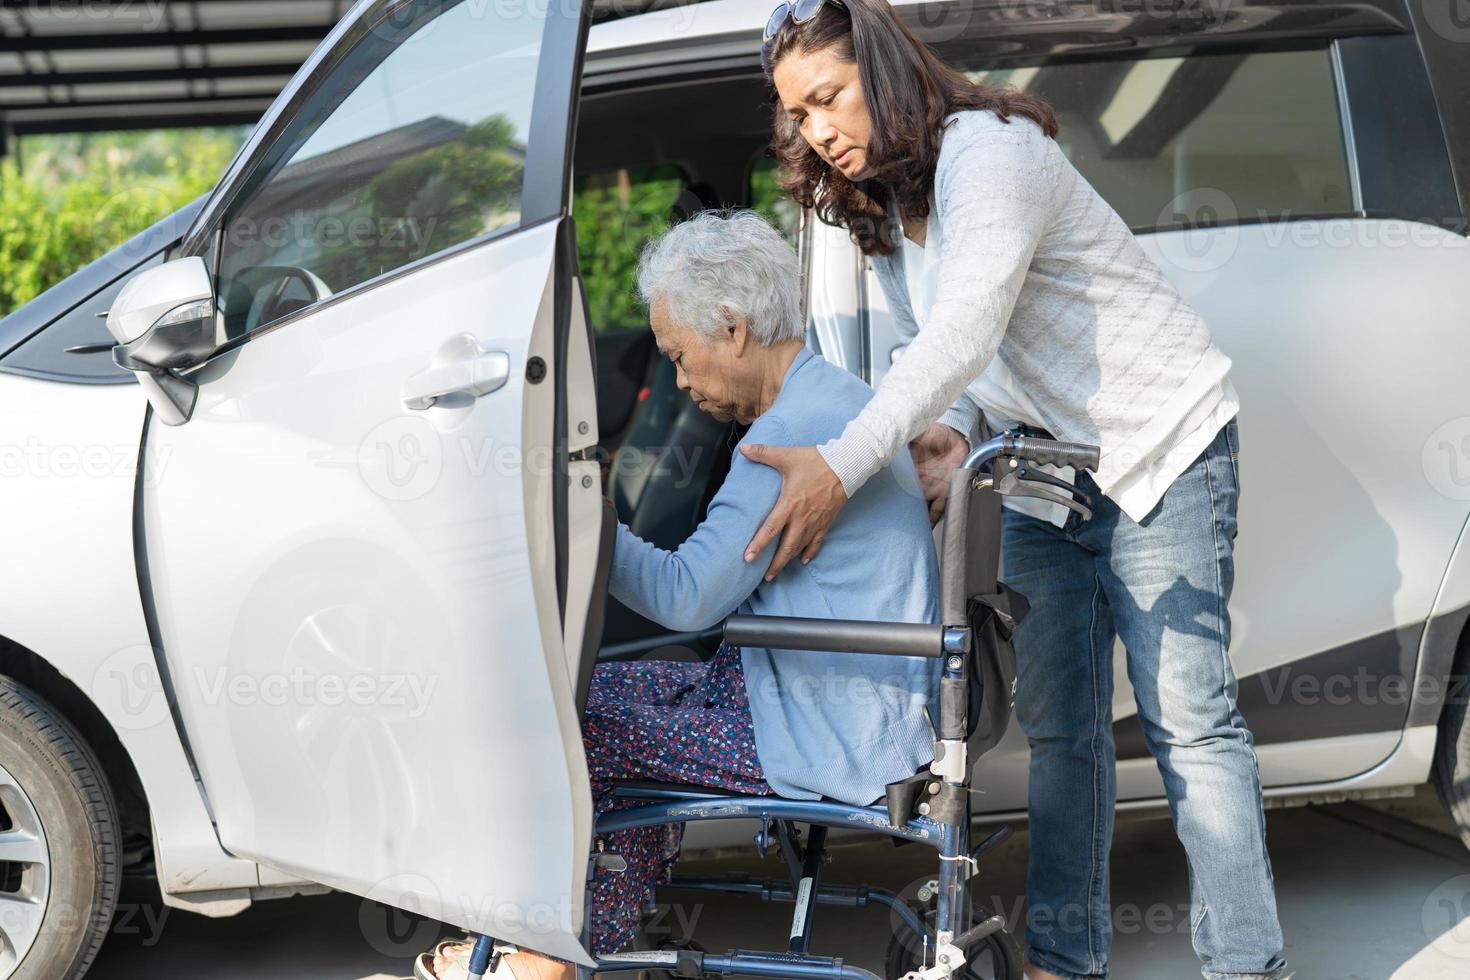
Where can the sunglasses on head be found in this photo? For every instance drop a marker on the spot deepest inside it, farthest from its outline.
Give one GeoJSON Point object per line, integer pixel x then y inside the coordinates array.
{"type": "Point", "coordinates": [800, 12]}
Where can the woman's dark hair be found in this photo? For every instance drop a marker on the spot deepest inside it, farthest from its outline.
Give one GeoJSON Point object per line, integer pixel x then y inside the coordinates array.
{"type": "Point", "coordinates": [909, 90]}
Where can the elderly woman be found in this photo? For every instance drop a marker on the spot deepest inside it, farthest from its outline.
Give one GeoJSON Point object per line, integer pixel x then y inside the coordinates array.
{"type": "Point", "coordinates": [724, 301]}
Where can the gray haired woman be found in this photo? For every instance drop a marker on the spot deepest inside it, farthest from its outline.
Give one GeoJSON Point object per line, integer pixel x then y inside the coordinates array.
{"type": "Point", "coordinates": [724, 299]}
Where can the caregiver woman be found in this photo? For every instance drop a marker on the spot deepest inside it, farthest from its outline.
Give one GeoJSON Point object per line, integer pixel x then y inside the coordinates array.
{"type": "Point", "coordinates": [1025, 296]}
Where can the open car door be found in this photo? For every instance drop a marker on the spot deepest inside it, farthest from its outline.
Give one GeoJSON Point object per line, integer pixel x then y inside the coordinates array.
{"type": "Point", "coordinates": [354, 533]}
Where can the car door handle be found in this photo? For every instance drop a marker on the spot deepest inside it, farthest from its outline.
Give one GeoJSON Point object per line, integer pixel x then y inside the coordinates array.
{"type": "Point", "coordinates": [476, 375]}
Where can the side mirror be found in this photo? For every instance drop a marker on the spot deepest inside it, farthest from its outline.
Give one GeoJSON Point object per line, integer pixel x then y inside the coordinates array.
{"type": "Point", "coordinates": [165, 321]}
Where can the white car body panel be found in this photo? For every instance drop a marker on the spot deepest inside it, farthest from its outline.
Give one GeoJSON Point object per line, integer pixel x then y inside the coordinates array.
{"type": "Point", "coordinates": [381, 631]}
{"type": "Point", "coordinates": [657, 35]}
{"type": "Point", "coordinates": [70, 455]}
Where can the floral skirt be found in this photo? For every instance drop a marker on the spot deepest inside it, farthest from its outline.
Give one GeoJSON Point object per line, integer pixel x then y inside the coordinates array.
{"type": "Point", "coordinates": [669, 721]}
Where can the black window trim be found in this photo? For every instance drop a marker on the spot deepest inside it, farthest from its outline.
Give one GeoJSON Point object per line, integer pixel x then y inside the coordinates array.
{"type": "Point", "coordinates": [1397, 127]}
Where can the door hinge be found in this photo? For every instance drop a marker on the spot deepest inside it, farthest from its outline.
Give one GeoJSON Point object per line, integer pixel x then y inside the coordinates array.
{"type": "Point", "coordinates": [588, 455]}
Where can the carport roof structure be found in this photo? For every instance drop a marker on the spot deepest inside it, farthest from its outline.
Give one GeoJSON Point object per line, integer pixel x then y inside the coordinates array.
{"type": "Point", "coordinates": [88, 65]}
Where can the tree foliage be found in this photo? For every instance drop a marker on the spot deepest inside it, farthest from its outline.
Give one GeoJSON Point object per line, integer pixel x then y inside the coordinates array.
{"type": "Point", "coordinates": [78, 196]}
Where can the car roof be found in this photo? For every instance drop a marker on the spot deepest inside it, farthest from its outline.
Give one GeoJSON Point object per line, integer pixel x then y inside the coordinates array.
{"type": "Point", "coordinates": [689, 23]}
{"type": "Point", "coordinates": [715, 30]}
{"type": "Point", "coordinates": [726, 33]}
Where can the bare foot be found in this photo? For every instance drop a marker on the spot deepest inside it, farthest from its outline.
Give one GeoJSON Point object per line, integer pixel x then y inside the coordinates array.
{"type": "Point", "coordinates": [524, 965]}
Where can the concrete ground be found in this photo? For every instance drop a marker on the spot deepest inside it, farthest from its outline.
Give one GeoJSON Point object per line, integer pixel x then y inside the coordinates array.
{"type": "Point", "coordinates": [1375, 891]}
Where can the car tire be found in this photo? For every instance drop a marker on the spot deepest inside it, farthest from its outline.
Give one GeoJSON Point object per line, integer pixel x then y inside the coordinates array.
{"type": "Point", "coordinates": [1451, 775]}
{"type": "Point", "coordinates": [59, 888]}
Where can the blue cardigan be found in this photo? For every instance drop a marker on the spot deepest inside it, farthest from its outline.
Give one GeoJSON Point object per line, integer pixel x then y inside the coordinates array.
{"type": "Point", "coordinates": [839, 725]}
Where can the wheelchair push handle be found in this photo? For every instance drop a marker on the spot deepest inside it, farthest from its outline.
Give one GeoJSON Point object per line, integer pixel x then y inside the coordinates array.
{"type": "Point", "coordinates": [1075, 454]}
{"type": "Point", "coordinates": [1033, 450]}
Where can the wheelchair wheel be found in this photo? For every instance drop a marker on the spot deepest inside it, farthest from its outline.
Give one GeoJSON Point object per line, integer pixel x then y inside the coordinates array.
{"type": "Point", "coordinates": [998, 957]}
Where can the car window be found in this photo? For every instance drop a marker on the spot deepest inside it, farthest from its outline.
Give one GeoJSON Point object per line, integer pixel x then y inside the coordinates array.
{"type": "Point", "coordinates": [617, 213]}
{"type": "Point", "coordinates": [768, 197]}
{"type": "Point", "coordinates": [416, 142]}
{"type": "Point", "coordinates": [1170, 141]}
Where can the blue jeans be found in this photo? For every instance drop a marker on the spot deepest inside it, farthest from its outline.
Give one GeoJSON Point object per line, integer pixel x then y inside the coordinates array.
{"type": "Point", "coordinates": [1161, 585]}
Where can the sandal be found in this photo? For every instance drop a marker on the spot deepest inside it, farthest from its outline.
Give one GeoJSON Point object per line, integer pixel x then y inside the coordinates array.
{"type": "Point", "coordinates": [459, 965]}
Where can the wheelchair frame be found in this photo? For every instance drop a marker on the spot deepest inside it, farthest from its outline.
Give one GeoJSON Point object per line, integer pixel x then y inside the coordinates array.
{"type": "Point", "coordinates": [942, 820]}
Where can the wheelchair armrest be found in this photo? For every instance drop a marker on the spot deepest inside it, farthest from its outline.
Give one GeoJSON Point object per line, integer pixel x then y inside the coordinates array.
{"type": "Point", "coordinates": [836, 635]}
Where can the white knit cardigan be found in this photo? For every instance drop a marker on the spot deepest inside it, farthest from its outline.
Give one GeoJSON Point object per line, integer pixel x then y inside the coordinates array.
{"type": "Point", "coordinates": [1036, 268]}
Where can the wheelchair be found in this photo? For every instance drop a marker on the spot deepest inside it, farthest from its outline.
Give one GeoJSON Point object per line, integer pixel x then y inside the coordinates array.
{"type": "Point", "coordinates": [943, 932]}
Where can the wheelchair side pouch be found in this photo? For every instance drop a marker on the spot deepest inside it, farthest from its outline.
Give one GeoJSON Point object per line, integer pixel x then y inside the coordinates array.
{"type": "Point", "coordinates": [994, 619]}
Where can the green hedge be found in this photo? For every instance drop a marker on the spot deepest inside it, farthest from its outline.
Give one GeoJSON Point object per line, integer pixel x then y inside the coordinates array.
{"type": "Point", "coordinates": [617, 213]}
{"type": "Point", "coordinates": [79, 196]}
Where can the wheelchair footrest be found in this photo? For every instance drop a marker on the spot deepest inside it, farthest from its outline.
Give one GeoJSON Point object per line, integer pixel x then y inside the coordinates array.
{"type": "Point", "coordinates": [975, 933]}
{"type": "Point", "coordinates": [736, 962]}
{"type": "Point", "coordinates": [679, 962]}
